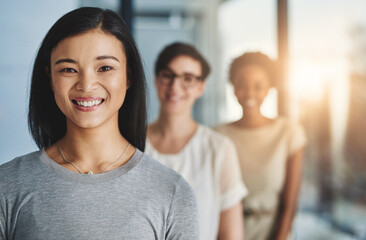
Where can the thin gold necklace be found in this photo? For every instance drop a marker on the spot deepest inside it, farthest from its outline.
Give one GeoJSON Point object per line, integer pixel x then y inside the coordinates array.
{"type": "Point", "coordinates": [90, 172]}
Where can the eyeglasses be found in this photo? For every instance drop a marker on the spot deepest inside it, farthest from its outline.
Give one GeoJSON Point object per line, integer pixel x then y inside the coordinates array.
{"type": "Point", "coordinates": [166, 77]}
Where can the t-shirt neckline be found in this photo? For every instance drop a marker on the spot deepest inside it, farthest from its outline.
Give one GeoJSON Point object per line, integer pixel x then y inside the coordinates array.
{"type": "Point", "coordinates": [86, 178]}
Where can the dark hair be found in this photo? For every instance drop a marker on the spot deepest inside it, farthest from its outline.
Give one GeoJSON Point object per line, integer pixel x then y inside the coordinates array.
{"type": "Point", "coordinates": [254, 58]}
{"type": "Point", "coordinates": [46, 122]}
{"type": "Point", "coordinates": [177, 49]}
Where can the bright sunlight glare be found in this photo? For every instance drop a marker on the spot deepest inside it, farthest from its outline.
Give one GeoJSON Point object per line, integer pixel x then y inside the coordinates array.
{"type": "Point", "coordinates": [307, 81]}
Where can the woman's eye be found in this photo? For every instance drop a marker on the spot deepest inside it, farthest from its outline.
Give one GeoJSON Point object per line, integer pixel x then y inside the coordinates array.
{"type": "Point", "coordinates": [68, 70]}
{"type": "Point", "coordinates": [167, 75]}
{"type": "Point", "coordinates": [188, 78]}
{"type": "Point", "coordinates": [105, 68]}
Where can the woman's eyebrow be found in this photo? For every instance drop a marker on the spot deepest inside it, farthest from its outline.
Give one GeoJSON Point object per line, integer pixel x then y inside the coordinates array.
{"type": "Point", "coordinates": [107, 57]}
{"type": "Point", "coordinates": [67, 60]}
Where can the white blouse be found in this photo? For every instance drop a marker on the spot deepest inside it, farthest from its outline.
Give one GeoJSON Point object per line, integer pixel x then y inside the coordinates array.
{"type": "Point", "coordinates": [209, 164]}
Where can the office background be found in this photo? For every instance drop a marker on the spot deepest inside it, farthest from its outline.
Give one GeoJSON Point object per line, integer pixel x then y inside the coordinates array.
{"type": "Point", "coordinates": [325, 88]}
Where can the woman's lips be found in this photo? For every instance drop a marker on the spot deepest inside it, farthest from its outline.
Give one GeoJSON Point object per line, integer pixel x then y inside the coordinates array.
{"type": "Point", "coordinates": [87, 104]}
{"type": "Point", "coordinates": [173, 98]}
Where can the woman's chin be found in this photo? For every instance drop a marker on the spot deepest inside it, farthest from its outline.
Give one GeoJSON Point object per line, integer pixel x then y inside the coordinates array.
{"type": "Point", "coordinates": [251, 109]}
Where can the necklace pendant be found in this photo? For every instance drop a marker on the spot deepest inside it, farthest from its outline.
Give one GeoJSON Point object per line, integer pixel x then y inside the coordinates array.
{"type": "Point", "coordinates": [90, 173]}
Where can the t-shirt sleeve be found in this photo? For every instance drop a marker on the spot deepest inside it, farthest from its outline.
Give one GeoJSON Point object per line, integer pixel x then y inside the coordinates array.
{"type": "Point", "coordinates": [297, 138]}
{"type": "Point", "coordinates": [182, 222]}
{"type": "Point", "coordinates": [232, 187]}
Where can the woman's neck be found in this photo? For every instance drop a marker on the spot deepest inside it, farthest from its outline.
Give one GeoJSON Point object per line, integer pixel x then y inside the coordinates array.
{"type": "Point", "coordinates": [252, 120]}
{"type": "Point", "coordinates": [170, 133]}
{"type": "Point", "coordinates": [92, 143]}
{"type": "Point", "coordinates": [174, 125]}
{"type": "Point", "coordinates": [90, 149]}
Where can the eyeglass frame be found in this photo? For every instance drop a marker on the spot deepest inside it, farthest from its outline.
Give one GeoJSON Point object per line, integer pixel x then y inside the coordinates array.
{"type": "Point", "coordinates": [180, 77]}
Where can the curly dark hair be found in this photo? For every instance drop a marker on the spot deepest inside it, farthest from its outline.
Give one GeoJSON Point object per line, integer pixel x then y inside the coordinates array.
{"type": "Point", "coordinates": [254, 58]}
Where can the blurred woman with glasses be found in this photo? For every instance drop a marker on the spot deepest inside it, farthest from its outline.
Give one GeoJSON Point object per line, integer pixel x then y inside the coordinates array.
{"type": "Point", "coordinates": [206, 159]}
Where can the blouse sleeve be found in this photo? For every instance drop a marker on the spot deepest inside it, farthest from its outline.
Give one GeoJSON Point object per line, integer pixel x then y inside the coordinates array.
{"type": "Point", "coordinates": [232, 187]}
{"type": "Point", "coordinates": [297, 138]}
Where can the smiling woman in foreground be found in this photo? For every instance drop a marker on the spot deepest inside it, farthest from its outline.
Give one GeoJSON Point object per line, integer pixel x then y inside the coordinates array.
{"type": "Point", "coordinates": [87, 114]}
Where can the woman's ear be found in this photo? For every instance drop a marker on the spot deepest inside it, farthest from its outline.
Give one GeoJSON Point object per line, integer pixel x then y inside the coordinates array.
{"type": "Point", "coordinates": [201, 88]}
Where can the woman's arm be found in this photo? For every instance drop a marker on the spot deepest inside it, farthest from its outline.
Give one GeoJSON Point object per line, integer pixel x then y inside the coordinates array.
{"type": "Point", "coordinates": [232, 223]}
{"type": "Point", "coordinates": [289, 195]}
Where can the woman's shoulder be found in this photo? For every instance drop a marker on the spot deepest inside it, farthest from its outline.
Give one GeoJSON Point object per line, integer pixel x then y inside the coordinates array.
{"type": "Point", "coordinates": [210, 133]}
{"type": "Point", "coordinates": [159, 173]}
{"type": "Point", "coordinates": [213, 136]}
{"type": "Point", "coordinates": [284, 121]}
{"type": "Point", "coordinates": [19, 163]}
{"type": "Point", "coordinates": [231, 131]}
{"type": "Point", "coordinates": [294, 132]}
{"type": "Point", "coordinates": [17, 170]}
{"type": "Point", "coordinates": [223, 128]}
{"type": "Point", "coordinates": [164, 181]}
{"type": "Point", "coordinates": [149, 163]}
{"type": "Point", "coordinates": [288, 125]}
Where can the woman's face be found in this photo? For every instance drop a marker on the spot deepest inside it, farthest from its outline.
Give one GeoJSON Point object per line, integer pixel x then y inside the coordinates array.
{"type": "Point", "coordinates": [178, 97]}
{"type": "Point", "coordinates": [88, 77]}
{"type": "Point", "coordinates": [251, 84]}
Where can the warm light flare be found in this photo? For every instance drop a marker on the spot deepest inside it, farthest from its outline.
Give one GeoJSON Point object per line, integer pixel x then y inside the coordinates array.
{"type": "Point", "coordinates": [307, 81]}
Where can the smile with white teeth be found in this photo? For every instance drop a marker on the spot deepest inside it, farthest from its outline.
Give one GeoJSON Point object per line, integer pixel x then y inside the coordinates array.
{"type": "Point", "coordinates": [88, 103]}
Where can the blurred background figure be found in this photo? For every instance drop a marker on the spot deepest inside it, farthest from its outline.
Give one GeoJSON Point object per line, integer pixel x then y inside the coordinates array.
{"type": "Point", "coordinates": [206, 159]}
{"type": "Point", "coordinates": [270, 151]}
{"type": "Point", "coordinates": [320, 50]}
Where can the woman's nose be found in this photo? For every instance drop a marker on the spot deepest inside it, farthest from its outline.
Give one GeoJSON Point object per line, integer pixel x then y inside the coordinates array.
{"type": "Point", "coordinates": [176, 82]}
{"type": "Point", "coordinates": [249, 92]}
{"type": "Point", "coordinates": [87, 82]}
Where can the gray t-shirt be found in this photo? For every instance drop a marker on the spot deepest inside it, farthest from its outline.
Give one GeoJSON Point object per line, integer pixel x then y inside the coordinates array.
{"type": "Point", "coordinates": [40, 199]}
